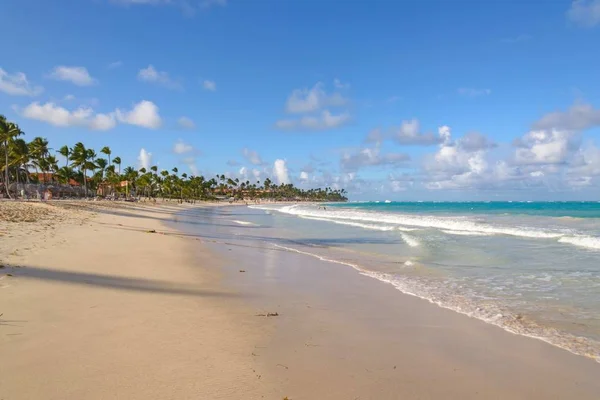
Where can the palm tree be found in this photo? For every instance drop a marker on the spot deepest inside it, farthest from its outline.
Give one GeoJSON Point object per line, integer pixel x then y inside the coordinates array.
{"type": "Point", "coordinates": [65, 174]}
{"type": "Point", "coordinates": [19, 153]}
{"type": "Point", "coordinates": [8, 131]}
{"type": "Point", "coordinates": [79, 159]}
{"type": "Point", "coordinates": [117, 160]}
{"type": "Point", "coordinates": [38, 149]}
{"type": "Point", "coordinates": [106, 150]}
{"type": "Point", "coordinates": [65, 151]}
{"type": "Point", "coordinates": [101, 163]}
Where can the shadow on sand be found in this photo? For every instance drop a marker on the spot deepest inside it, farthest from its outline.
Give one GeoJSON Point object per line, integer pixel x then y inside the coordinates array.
{"type": "Point", "coordinates": [117, 282]}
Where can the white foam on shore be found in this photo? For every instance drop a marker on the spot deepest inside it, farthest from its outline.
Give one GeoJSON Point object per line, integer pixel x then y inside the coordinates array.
{"type": "Point", "coordinates": [448, 225]}
{"type": "Point", "coordinates": [243, 222]}
{"type": "Point", "coordinates": [582, 241]}
{"type": "Point", "coordinates": [494, 316]}
{"type": "Point", "coordinates": [411, 241]}
{"type": "Point", "coordinates": [356, 224]}
{"type": "Point", "coordinates": [466, 233]}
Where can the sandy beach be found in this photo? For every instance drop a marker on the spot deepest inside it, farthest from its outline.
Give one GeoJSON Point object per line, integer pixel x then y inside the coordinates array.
{"type": "Point", "coordinates": [138, 301]}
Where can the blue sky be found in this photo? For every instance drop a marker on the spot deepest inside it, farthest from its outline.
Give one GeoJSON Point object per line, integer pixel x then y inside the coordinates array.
{"type": "Point", "coordinates": [409, 100]}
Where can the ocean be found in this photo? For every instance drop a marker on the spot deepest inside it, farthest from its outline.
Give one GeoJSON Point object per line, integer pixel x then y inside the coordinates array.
{"type": "Point", "coordinates": [531, 268]}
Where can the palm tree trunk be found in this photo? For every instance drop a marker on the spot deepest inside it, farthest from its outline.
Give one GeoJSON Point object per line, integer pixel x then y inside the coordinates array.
{"type": "Point", "coordinates": [6, 168]}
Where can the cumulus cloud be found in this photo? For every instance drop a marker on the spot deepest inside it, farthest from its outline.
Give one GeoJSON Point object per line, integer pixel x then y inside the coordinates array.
{"type": "Point", "coordinates": [77, 75]}
{"type": "Point", "coordinates": [473, 92]}
{"type": "Point", "coordinates": [552, 146]}
{"type": "Point", "coordinates": [475, 141]}
{"type": "Point", "coordinates": [180, 147]}
{"type": "Point", "coordinates": [457, 165]}
{"type": "Point", "coordinates": [58, 116]}
{"type": "Point", "coordinates": [252, 156]}
{"type": "Point", "coordinates": [162, 78]}
{"type": "Point", "coordinates": [585, 13]}
{"type": "Point", "coordinates": [325, 120]}
{"type": "Point", "coordinates": [303, 177]}
{"type": "Point", "coordinates": [209, 85]}
{"type": "Point", "coordinates": [577, 118]}
{"type": "Point", "coordinates": [144, 114]}
{"type": "Point", "coordinates": [144, 159]}
{"type": "Point", "coordinates": [314, 99]}
{"type": "Point", "coordinates": [186, 123]}
{"type": "Point", "coordinates": [280, 171]}
{"type": "Point", "coordinates": [409, 134]}
{"type": "Point", "coordinates": [400, 182]}
{"type": "Point", "coordinates": [17, 84]}
{"type": "Point", "coordinates": [371, 157]}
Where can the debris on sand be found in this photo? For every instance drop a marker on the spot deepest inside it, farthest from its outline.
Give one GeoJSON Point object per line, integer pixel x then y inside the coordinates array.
{"type": "Point", "coordinates": [151, 231]}
{"type": "Point", "coordinates": [268, 315]}
{"type": "Point", "coordinates": [242, 270]}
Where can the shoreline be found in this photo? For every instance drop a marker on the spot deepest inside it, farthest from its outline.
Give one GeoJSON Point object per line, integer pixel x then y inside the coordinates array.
{"type": "Point", "coordinates": [169, 314]}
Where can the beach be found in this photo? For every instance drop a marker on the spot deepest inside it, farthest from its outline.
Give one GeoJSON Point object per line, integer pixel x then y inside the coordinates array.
{"type": "Point", "coordinates": [113, 300]}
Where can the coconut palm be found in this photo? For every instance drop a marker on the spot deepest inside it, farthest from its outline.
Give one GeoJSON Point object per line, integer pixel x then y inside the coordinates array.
{"type": "Point", "coordinates": [101, 163]}
{"type": "Point", "coordinates": [65, 151]}
{"type": "Point", "coordinates": [19, 157]}
{"type": "Point", "coordinates": [117, 161]}
{"type": "Point", "coordinates": [8, 131]}
{"type": "Point", "coordinates": [106, 150]}
{"type": "Point", "coordinates": [80, 160]}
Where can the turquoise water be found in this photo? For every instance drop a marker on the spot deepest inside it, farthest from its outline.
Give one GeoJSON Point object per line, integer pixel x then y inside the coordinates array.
{"type": "Point", "coordinates": [530, 268]}
{"type": "Point", "coordinates": [576, 209]}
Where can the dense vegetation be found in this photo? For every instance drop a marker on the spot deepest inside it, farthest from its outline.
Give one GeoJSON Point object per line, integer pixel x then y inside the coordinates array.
{"type": "Point", "coordinates": [19, 158]}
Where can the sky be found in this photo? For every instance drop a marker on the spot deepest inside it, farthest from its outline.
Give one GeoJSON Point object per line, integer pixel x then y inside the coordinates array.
{"type": "Point", "coordinates": [400, 100]}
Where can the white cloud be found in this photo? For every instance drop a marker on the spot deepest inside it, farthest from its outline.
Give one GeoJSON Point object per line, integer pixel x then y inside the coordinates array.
{"type": "Point", "coordinates": [400, 182]}
{"type": "Point", "coordinates": [102, 122]}
{"type": "Point", "coordinates": [546, 147]}
{"type": "Point", "coordinates": [116, 64]}
{"type": "Point", "coordinates": [144, 114]}
{"type": "Point", "coordinates": [61, 117]}
{"type": "Point", "coordinates": [314, 99]}
{"type": "Point", "coordinates": [325, 120]}
{"type": "Point", "coordinates": [304, 177]}
{"type": "Point", "coordinates": [186, 123]}
{"type": "Point", "coordinates": [409, 134]}
{"type": "Point", "coordinates": [457, 165]}
{"type": "Point", "coordinates": [472, 92]}
{"type": "Point", "coordinates": [17, 84]}
{"type": "Point", "coordinates": [585, 13]}
{"type": "Point", "coordinates": [233, 163]}
{"type": "Point", "coordinates": [209, 85]}
{"type": "Point", "coordinates": [340, 85]}
{"type": "Point", "coordinates": [180, 147]}
{"type": "Point", "coordinates": [76, 75]}
{"type": "Point", "coordinates": [371, 157]}
{"type": "Point", "coordinates": [144, 159]}
{"type": "Point", "coordinates": [69, 97]}
{"type": "Point", "coordinates": [474, 141]}
{"type": "Point", "coordinates": [162, 78]}
{"type": "Point", "coordinates": [252, 156]}
{"type": "Point", "coordinates": [190, 162]}
{"type": "Point", "coordinates": [577, 118]}
{"type": "Point", "coordinates": [281, 172]}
